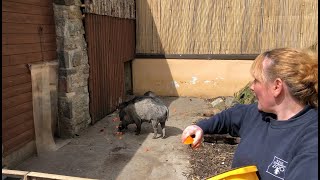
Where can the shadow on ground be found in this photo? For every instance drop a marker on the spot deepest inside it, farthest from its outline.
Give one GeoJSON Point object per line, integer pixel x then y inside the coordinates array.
{"type": "Point", "coordinates": [101, 154]}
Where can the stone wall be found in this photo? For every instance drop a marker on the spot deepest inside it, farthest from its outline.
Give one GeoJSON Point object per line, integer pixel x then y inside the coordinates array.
{"type": "Point", "coordinates": [73, 95]}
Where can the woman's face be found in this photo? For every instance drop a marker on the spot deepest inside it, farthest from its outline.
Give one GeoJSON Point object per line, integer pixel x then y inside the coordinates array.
{"type": "Point", "coordinates": [262, 91]}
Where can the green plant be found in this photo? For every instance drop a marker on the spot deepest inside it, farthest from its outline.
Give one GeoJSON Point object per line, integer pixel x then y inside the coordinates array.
{"type": "Point", "coordinates": [245, 95]}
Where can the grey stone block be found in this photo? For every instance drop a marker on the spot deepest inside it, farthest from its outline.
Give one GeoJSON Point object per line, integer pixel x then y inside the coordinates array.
{"type": "Point", "coordinates": [75, 27]}
{"type": "Point", "coordinates": [60, 12]}
{"type": "Point", "coordinates": [65, 72]}
{"type": "Point", "coordinates": [84, 69]}
{"type": "Point", "coordinates": [76, 61]}
{"type": "Point", "coordinates": [67, 44]}
{"type": "Point", "coordinates": [66, 127]}
{"type": "Point", "coordinates": [60, 27]}
{"type": "Point", "coordinates": [64, 85]}
{"type": "Point", "coordinates": [71, 43]}
{"type": "Point", "coordinates": [85, 59]}
{"type": "Point", "coordinates": [75, 13]}
{"type": "Point", "coordinates": [66, 109]}
{"type": "Point", "coordinates": [65, 59]}
{"type": "Point", "coordinates": [216, 102]}
{"type": "Point", "coordinates": [69, 27]}
{"type": "Point", "coordinates": [70, 58]}
{"type": "Point", "coordinates": [82, 90]}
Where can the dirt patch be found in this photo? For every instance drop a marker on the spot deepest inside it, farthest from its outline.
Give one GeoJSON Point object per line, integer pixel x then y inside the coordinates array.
{"type": "Point", "coordinates": [211, 159]}
{"type": "Point", "coordinates": [216, 153]}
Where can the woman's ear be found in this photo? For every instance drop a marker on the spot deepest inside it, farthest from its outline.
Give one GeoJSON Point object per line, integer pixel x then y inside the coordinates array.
{"type": "Point", "coordinates": [277, 87]}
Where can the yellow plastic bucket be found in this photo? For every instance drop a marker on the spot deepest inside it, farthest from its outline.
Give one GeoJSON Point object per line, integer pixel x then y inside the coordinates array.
{"type": "Point", "coordinates": [243, 173]}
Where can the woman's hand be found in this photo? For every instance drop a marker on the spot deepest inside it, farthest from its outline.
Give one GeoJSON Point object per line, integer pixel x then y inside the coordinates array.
{"type": "Point", "coordinates": [193, 130]}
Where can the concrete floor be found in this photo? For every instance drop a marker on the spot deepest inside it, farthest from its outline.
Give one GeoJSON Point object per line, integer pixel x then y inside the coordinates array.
{"type": "Point", "coordinates": [98, 153]}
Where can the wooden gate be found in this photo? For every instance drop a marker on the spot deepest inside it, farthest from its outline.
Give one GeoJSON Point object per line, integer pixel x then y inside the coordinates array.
{"type": "Point", "coordinates": [111, 42]}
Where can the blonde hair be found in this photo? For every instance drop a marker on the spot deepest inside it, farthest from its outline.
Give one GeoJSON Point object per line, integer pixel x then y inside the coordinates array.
{"type": "Point", "coordinates": [297, 68]}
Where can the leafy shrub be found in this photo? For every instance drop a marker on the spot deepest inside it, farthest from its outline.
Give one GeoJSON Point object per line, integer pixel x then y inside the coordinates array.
{"type": "Point", "coordinates": [245, 95]}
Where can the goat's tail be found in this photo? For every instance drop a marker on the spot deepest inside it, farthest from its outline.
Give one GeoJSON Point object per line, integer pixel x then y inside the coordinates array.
{"type": "Point", "coordinates": [167, 114]}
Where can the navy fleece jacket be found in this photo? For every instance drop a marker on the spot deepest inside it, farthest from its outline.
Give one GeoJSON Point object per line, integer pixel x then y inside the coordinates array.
{"type": "Point", "coordinates": [280, 149]}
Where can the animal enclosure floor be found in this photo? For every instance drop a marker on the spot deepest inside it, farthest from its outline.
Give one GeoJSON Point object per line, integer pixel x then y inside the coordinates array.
{"type": "Point", "coordinates": [99, 153]}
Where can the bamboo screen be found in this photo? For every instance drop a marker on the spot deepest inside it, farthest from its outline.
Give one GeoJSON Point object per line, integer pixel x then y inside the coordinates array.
{"type": "Point", "coordinates": [224, 26]}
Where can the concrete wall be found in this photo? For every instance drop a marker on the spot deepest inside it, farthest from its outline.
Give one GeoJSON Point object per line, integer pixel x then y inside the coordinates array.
{"type": "Point", "coordinates": [190, 77]}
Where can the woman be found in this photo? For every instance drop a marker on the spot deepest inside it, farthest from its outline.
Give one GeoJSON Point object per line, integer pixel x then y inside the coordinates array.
{"type": "Point", "coordinates": [279, 133]}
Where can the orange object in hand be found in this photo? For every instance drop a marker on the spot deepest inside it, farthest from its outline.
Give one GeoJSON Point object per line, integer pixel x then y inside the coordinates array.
{"type": "Point", "coordinates": [189, 140]}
